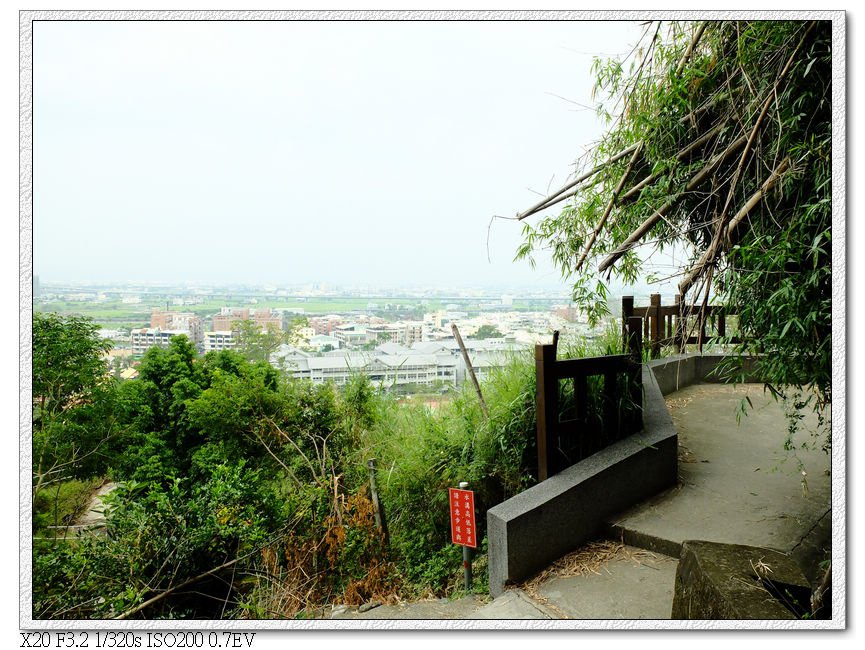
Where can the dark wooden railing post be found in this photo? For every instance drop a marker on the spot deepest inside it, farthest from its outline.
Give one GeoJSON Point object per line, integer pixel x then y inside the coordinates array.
{"type": "Point", "coordinates": [562, 442]}
{"type": "Point", "coordinates": [635, 377]}
{"type": "Point", "coordinates": [547, 403]}
{"type": "Point", "coordinates": [627, 313]}
{"type": "Point", "coordinates": [581, 399]}
{"type": "Point", "coordinates": [655, 312]}
{"type": "Point", "coordinates": [635, 341]}
{"type": "Point", "coordinates": [680, 323]}
{"type": "Point", "coordinates": [610, 408]}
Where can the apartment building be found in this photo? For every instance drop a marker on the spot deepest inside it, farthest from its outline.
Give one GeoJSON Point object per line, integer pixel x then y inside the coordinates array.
{"type": "Point", "coordinates": [146, 338]}
{"type": "Point", "coordinates": [404, 333]}
{"type": "Point", "coordinates": [268, 319]}
{"type": "Point", "coordinates": [190, 324]}
{"type": "Point", "coordinates": [565, 312]}
{"type": "Point", "coordinates": [265, 318]}
{"type": "Point", "coordinates": [325, 325]}
{"type": "Point", "coordinates": [220, 340]}
{"type": "Point", "coordinates": [224, 321]}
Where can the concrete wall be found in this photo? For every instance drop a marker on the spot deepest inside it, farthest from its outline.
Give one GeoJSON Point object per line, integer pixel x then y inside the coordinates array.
{"type": "Point", "coordinates": [680, 370]}
{"type": "Point", "coordinates": [529, 531]}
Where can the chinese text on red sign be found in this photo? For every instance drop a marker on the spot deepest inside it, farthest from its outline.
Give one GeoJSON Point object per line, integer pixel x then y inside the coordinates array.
{"type": "Point", "coordinates": [462, 505]}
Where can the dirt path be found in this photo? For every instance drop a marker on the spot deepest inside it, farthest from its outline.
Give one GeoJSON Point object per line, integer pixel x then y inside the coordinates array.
{"type": "Point", "coordinates": [94, 516]}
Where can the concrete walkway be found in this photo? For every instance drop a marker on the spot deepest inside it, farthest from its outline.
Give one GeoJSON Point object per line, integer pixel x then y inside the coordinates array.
{"type": "Point", "coordinates": [736, 485]}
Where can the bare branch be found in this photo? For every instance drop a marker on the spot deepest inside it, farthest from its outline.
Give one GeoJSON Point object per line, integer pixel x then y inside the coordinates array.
{"type": "Point", "coordinates": [612, 202]}
{"type": "Point", "coordinates": [556, 197]}
{"type": "Point", "coordinates": [649, 223]}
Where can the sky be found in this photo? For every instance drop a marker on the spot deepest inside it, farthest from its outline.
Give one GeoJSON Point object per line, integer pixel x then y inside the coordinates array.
{"type": "Point", "coordinates": [293, 152]}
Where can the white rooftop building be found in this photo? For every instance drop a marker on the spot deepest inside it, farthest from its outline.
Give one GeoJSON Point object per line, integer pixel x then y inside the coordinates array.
{"type": "Point", "coordinates": [393, 366]}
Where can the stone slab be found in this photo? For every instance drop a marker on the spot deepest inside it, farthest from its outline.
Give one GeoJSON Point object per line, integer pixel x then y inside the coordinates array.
{"type": "Point", "coordinates": [461, 608]}
{"type": "Point", "coordinates": [737, 484]}
{"type": "Point", "coordinates": [635, 586]}
{"type": "Point", "coordinates": [731, 581]}
{"type": "Point", "coordinates": [514, 604]}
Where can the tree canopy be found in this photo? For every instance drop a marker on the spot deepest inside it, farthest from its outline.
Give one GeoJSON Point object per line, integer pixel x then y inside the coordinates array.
{"type": "Point", "coordinates": [487, 332]}
{"type": "Point", "coordinates": [74, 412]}
{"type": "Point", "coordinates": [719, 145]}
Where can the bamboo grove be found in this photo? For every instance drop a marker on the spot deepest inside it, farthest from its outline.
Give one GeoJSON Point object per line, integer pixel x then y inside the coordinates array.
{"type": "Point", "coordinates": [719, 146]}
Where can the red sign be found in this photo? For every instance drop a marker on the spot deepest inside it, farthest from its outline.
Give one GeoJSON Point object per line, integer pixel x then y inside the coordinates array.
{"type": "Point", "coordinates": [462, 505]}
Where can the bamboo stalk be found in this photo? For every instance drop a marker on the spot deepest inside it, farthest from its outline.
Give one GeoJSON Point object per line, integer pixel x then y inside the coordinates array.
{"type": "Point", "coordinates": [680, 155]}
{"type": "Point", "coordinates": [691, 46]}
{"type": "Point", "coordinates": [647, 225]}
{"type": "Point", "coordinates": [756, 128]}
{"type": "Point", "coordinates": [755, 198]}
{"type": "Point", "coordinates": [606, 214]}
{"type": "Point", "coordinates": [554, 198]}
{"type": "Point", "coordinates": [711, 251]}
{"type": "Point", "coordinates": [148, 603]}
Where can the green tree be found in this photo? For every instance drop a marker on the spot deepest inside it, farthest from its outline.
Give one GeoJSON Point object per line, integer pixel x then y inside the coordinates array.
{"type": "Point", "coordinates": [74, 410]}
{"type": "Point", "coordinates": [720, 145]}
{"type": "Point", "coordinates": [256, 343]}
{"type": "Point", "coordinates": [68, 361]}
{"type": "Point", "coordinates": [487, 332]}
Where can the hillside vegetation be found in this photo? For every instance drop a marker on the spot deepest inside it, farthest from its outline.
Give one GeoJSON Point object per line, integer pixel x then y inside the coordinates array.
{"type": "Point", "coordinates": [244, 493]}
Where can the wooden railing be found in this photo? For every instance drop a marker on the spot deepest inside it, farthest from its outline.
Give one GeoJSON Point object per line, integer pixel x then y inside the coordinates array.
{"type": "Point", "coordinates": [562, 443]}
{"type": "Point", "coordinates": [675, 324]}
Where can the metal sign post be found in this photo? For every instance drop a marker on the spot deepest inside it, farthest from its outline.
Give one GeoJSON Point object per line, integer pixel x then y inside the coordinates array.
{"type": "Point", "coordinates": [463, 529]}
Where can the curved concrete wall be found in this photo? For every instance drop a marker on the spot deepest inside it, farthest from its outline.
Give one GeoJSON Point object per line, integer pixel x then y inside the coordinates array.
{"type": "Point", "coordinates": [529, 531]}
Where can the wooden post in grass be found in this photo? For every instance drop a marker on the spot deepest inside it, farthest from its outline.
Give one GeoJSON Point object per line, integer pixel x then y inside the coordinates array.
{"type": "Point", "coordinates": [378, 512]}
{"type": "Point", "coordinates": [471, 370]}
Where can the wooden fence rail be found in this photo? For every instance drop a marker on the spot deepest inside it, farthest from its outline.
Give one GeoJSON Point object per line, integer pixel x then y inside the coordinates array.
{"type": "Point", "coordinates": [564, 442]}
{"type": "Point", "coordinates": [669, 324]}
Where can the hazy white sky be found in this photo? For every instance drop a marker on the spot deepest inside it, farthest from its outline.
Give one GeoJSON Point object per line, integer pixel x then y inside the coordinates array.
{"type": "Point", "coordinates": [281, 152]}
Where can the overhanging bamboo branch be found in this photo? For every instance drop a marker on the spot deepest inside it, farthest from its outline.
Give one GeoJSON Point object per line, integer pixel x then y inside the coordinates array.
{"type": "Point", "coordinates": [691, 46]}
{"type": "Point", "coordinates": [709, 256]}
{"type": "Point", "coordinates": [757, 125]}
{"type": "Point", "coordinates": [606, 214]}
{"type": "Point", "coordinates": [649, 223]}
{"type": "Point", "coordinates": [681, 155]}
{"type": "Point", "coordinates": [557, 197]}
{"type": "Point", "coordinates": [705, 259]}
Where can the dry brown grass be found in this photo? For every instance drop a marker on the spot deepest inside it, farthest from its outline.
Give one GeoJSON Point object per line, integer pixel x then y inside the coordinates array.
{"type": "Point", "coordinates": [297, 575]}
{"type": "Point", "coordinates": [591, 558]}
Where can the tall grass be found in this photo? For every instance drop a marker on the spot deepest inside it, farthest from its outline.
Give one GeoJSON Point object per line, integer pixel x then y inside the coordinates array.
{"type": "Point", "coordinates": [421, 452]}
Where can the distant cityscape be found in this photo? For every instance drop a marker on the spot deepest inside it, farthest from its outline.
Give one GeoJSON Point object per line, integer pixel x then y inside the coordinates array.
{"type": "Point", "coordinates": [401, 338]}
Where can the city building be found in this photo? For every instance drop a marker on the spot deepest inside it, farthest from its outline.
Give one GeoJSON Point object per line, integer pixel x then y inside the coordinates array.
{"type": "Point", "coordinates": [405, 333]}
{"type": "Point", "coordinates": [324, 325]}
{"type": "Point", "coordinates": [145, 338]}
{"type": "Point", "coordinates": [394, 367]}
{"type": "Point", "coordinates": [224, 321]}
{"type": "Point", "coordinates": [264, 318]}
{"type": "Point", "coordinates": [221, 340]}
{"type": "Point", "coordinates": [319, 342]}
{"type": "Point", "coordinates": [565, 312]}
{"type": "Point", "coordinates": [191, 324]}
{"type": "Point", "coordinates": [350, 335]}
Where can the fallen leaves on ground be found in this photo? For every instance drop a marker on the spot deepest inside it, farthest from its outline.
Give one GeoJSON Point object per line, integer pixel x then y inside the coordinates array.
{"type": "Point", "coordinates": [588, 559]}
